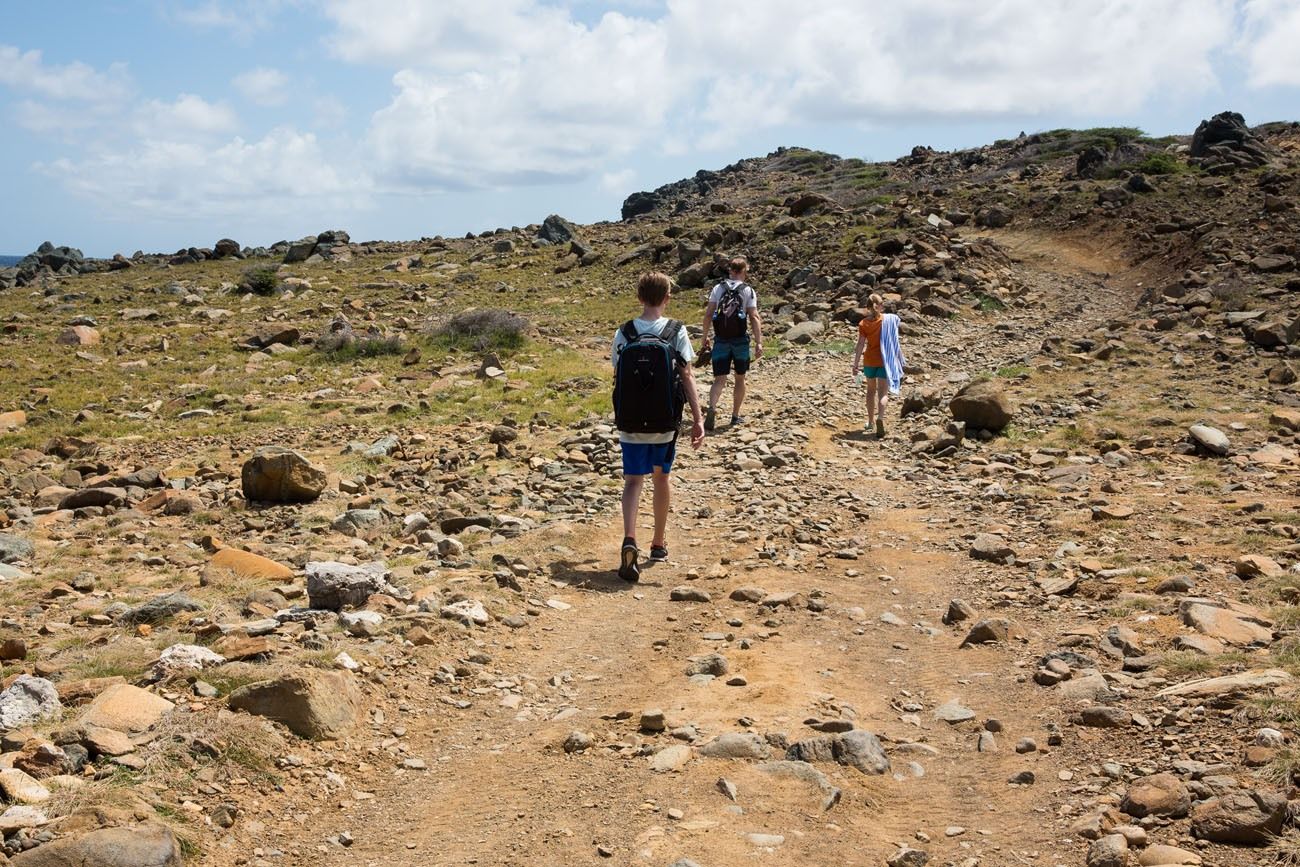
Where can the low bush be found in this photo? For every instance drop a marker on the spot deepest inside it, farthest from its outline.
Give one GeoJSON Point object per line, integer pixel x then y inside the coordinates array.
{"type": "Point", "coordinates": [487, 330]}
{"type": "Point", "coordinates": [260, 280]}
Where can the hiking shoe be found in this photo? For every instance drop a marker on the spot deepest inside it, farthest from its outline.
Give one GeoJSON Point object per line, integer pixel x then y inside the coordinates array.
{"type": "Point", "coordinates": [628, 568]}
{"type": "Point", "coordinates": [880, 428]}
{"type": "Point", "coordinates": [659, 553]}
{"type": "Point", "coordinates": [709, 421]}
{"type": "Point", "coordinates": [737, 420]}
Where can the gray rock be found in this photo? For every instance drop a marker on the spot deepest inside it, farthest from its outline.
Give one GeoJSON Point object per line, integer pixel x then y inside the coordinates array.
{"type": "Point", "coordinates": [736, 745]}
{"type": "Point", "coordinates": [147, 845]}
{"type": "Point", "coordinates": [858, 749]}
{"type": "Point", "coordinates": [1248, 818]}
{"type": "Point", "coordinates": [909, 857]}
{"type": "Point", "coordinates": [804, 332]}
{"type": "Point", "coordinates": [1211, 439]}
{"type": "Point", "coordinates": [989, 631]}
{"type": "Point", "coordinates": [1109, 851]}
{"type": "Point", "coordinates": [13, 549]}
{"type": "Point", "coordinates": [688, 594]}
{"type": "Point", "coordinates": [714, 664]}
{"type": "Point", "coordinates": [358, 522]}
{"type": "Point", "coordinates": [278, 475]}
{"type": "Point", "coordinates": [334, 586]}
{"type": "Point", "coordinates": [316, 705]}
{"type": "Point", "coordinates": [991, 548]}
{"type": "Point", "coordinates": [161, 608]}
{"type": "Point", "coordinates": [958, 611]}
{"type": "Point", "coordinates": [28, 700]}
{"type": "Point", "coordinates": [953, 712]}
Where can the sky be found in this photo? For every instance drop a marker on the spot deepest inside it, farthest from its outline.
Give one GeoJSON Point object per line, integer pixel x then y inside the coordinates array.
{"type": "Point", "coordinates": [162, 124]}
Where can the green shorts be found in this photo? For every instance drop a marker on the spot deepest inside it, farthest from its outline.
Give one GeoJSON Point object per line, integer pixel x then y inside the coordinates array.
{"type": "Point", "coordinates": [874, 373]}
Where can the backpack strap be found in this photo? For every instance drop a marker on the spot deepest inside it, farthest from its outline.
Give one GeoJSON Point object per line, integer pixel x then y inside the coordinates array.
{"type": "Point", "coordinates": [630, 333]}
{"type": "Point", "coordinates": [669, 336]}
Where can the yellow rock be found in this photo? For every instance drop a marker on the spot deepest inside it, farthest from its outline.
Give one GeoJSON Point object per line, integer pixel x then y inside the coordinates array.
{"type": "Point", "coordinates": [249, 565]}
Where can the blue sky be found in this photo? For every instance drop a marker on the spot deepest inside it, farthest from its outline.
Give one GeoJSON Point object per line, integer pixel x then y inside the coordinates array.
{"type": "Point", "coordinates": [144, 124]}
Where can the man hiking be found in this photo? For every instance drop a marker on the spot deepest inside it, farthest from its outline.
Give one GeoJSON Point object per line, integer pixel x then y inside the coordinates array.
{"type": "Point", "coordinates": [652, 381]}
{"type": "Point", "coordinates": [731, 312]}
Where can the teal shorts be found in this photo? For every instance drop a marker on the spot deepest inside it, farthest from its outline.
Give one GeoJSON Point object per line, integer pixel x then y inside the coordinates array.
{"type": "Point", "coordinates": [874, 373]}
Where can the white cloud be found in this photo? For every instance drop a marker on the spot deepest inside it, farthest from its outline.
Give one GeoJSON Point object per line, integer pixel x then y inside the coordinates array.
{"type": "Point", "coordinates": [27, 73]}
{"type": "Point", "coordinates": [187, 117]}
{"type": "Point", "coordinates": [1271, 42]}
{"type": "Point", "coordinates": [619, 183]}
{"type": "Point", "coordinates": [503, 92]}
{"type": "Point", "coordinates": [263, 86]}
{"type": "Point", "coordinates": [242, 18]}
{"type": "Point", "coordinates": [192, 180]}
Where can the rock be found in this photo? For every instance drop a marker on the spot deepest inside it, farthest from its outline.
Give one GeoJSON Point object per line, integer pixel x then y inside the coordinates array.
{"type": "Point", "coordinates": [1109, 851]}
{"type": "Point", "coordinates": [953, 712]}
{"type": "Point", "coordinates": [1229, 685]}
{"type": "Point", "coordinates": [908, 857]}
{"type": "Point", "coordinates": [278, 475]}
{"type": "Point", "coordinates": [957, 612]}
{"type": "Point", "coordinates": [315, 705]}
{"type": "Point", "coordinates": [1257, 566]}
{"type": "Point", "coordinates": [736, 745]}
{"type": "Point", "coordinates": [982, 405]}
{"type": "Point", "coordinates": [160, 609]}
{"type": "Point", "coordinates": [21, 816]}
{"type": "Point", "coordinates": [1248, 818]}
{"type": "Point", "coordinates": [991, 548]}
{"type": "Point", "coordinates": [578, 742]}
{"type": "Point", "coordinates": [1103, 717]}
{"type": "Point", "coordinates": [21, 788]}
{"type": "Point", "coordinates": [14, 549]}
{"type": "Point", "coordinates": [1234, 625]}
{"type": "Point", "coordinates": [335, 586]}
{"type": "Point", "coordinates": [653, 721]}
{"type": "Point", "coordinates": [688, 594]}
{"type": "Point", "coordinates": [92, 498]}
{"type": "Point", "coordinates": [804, 332]}
{"type": "Point", "coordinates": [991, 631]}
{"type": "Point", "coordinates": [672, 758]}
{"type": "Point", "coordinates": [557, 230]}
{"type": "Point", "coordinates": [186, 657]}
{"type": "Point", "coordinates": [1211, 439]}
{"type": "Point", "coordinates": [920, 400]}
{"type": "Point", "coordinates": [147, 845]}
{"type": "Point", "coordinates": [862, 750]}
{"type": "Point", "coordinates": [126, 708]}
{"type": "Point", "coordinates": [1162, 795]}
{"type": "Point", "coordinates": [1168, 856]}
{"type": "Point", "coordinates": [12, 420]}
{"type": "Point", "coordinates": [469, 612]}
{"type": "Point", "coordinates": [106, 742]}
{"type": "Point", "coordinates": [79, 335]}
{"type": "Point", "coordinates": [713, 664]}
{"type": "Point", "coordinates": [249, 565]}
{"type": "Point", "coordinates": [28, 700]}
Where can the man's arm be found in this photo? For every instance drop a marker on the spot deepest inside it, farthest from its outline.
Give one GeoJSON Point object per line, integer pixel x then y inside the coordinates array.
{"type": "Point", "coordinates": [757, 324]}
{"type": "Point", "coordinates": [693, 398]}
{"type": "Point", "coordinates": [709, 310]}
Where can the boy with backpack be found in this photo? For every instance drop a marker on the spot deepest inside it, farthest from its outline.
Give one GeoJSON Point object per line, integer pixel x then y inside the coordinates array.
{"type": "Point", "coordinates": [652, 382]}
{"type": "Point", "coordinates": [732, 308]}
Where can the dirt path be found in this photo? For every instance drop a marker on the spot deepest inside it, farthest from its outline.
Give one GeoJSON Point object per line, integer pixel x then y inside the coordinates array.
{"type": "Point", "coordinates": [883, 557]}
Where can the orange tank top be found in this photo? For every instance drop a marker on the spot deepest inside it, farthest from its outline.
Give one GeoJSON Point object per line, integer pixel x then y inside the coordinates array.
{"type": "Point", "coordinates": [870, 329]}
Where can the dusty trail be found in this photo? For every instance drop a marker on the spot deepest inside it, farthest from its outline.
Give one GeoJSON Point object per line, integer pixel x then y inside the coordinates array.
{"type": "Point", "coordinates": [500, 790]}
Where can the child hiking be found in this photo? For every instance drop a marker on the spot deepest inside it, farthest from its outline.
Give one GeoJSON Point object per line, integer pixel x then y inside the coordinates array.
{"type": "Point", "coordinates": [652, 382]}
{"type": "Point", "coordinates": [731, 311]}
{"type": "Point", "coordinates": [882, 361]}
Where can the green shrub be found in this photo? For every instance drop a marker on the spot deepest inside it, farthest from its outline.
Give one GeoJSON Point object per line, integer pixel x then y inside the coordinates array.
{"type": "Point", "coordinates": [261, 280]}
{"type": "Point", "coordinates": [1161, 163]}
{"type": "Point", "coordinates": [485, 330]}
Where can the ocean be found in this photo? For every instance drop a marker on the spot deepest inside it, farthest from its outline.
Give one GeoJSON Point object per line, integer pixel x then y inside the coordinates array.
{"type": "Point", "coordinates": [9, 261]}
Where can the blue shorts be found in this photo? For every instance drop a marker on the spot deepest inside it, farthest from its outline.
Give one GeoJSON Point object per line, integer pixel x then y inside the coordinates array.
{"type": "Point", "coordinates": [874, 373]}
{"type": "Point", "coordinates": [728, 352]}
{"type": "Point", "coordinates": [640, 459]}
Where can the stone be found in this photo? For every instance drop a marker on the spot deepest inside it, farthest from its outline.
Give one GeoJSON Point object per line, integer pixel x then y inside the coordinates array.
{"type": "Point", "coordinates": [186, 657]}
{"type": "Point", "coordinates": [469, 612]}
{"type": "Point", "coordinates": [1211, 439]}
{"type": "Point", "coordinates": [982, 405]}
{"type": "Point", "coordinates": [908, 857]}
{"type": "Point", "coordinates": [249, 565]}
{"type": "Point", "coordinates": [736, 745]}
{"type": "Point", "coordinates": [1236, 626]}
{"type": "Point", "coordinates": [79, 335]}
{"type": "Point", "coordinates": [150, 844]}
{"type": "Point", "coordinates": [28, 700]}
{"type": "Point", "coordinates": [21, 816]}
{"type": "Point", "coordinates": [14, 550]}
{"type": "Point", "coordinates": [279, 475]}
{"type": "Point", "coordinates": [160, 608]}
{"type": "Point", "coordinates": [991, 548]}
{"type": "Point", "coordinates": [1104, 717]}
{"type": "Point", "coordinates": [1257, 566]}
{"type": "Point", "coordinates": [126, 708]}
{"type": "Point", "coordinates": [20, 787]}
{"type": "Point", "coordinates": [1247, 818]}
{"type": "Point", "coordinates": [669, 759]}
{"type": "Point", "coordinates": [653, 721]}
{"type": "Point", "coordinates": [989, 631]}
{"type": "Point", "coordinates": [957, 612]}
{"type": "Point", "coordinates": [1168, 856]}
{"type": "Point", "coordinates": [335, 586]}
{"type": "Point", "coordinates": [1229, 685]}
{"type": "Point", "coordinates": [316, 705]}
{"type": "Point", "coordinates": [1162, 795]}
{"type": "Point", "coordinates": [106, 742]}
{"type": "Point", "coordinates": [953, 712]}
{"type": "Point", "coordinates": [688, 594]}
{"type": "Point", "coordinates": [804, 332]}
{"type": "Point", "coordinates": [1109, 851]}
{"type": "Point", "coordinates": [93, 498]}
{"type": "Point", "coordinates": [578, 742]}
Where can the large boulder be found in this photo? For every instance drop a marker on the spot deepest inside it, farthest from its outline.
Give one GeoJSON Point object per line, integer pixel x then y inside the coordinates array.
{"type": "Point", "coordinates": [315, 705]}
{"type": "Point", "coordinates": [1161, 795]}
{"type": "Point", "coordinates": [557, 230]}
{"type": "Point", "coordinates": [1249, 818]}
{"type": "Point", "coordinates": [279, 475]}
{"type": "Point", "coordinates": [13, 549]}
{"type": "Point", "coordinates": [225, 248]}
{"type": "Point", "coordinates": [982, 405]}
{"type": "Point", "coordinates": [151, 844]}
{"type": "Point", "coordinates": [28, 700]}
{"type": "Point", "coordinates": [334, 586]}
{"type": "Point", "coordinates": [804, 332]}
{"type": "Point", "coordinates": [126, 708]}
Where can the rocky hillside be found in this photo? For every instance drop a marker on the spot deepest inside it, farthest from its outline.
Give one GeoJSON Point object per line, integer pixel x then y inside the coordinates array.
{"type": "Point", "coordinates": [306, 551]}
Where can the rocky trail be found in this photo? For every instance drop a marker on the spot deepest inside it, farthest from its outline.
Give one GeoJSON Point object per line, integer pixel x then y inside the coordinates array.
{"type": "Point", "coordinates": [823, 579]}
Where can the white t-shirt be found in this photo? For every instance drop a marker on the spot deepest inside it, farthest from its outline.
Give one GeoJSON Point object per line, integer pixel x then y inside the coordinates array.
{"type": "Point", "coordinates": [684, 349]}
{"type": "Point", "coordinates": [748, 297]}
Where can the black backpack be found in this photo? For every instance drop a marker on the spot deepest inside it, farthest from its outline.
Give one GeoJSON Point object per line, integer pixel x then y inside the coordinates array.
{"type": "Point", "coordinates": [648, 395]}
{"type": "Point", "coordinates": [729, 320]}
